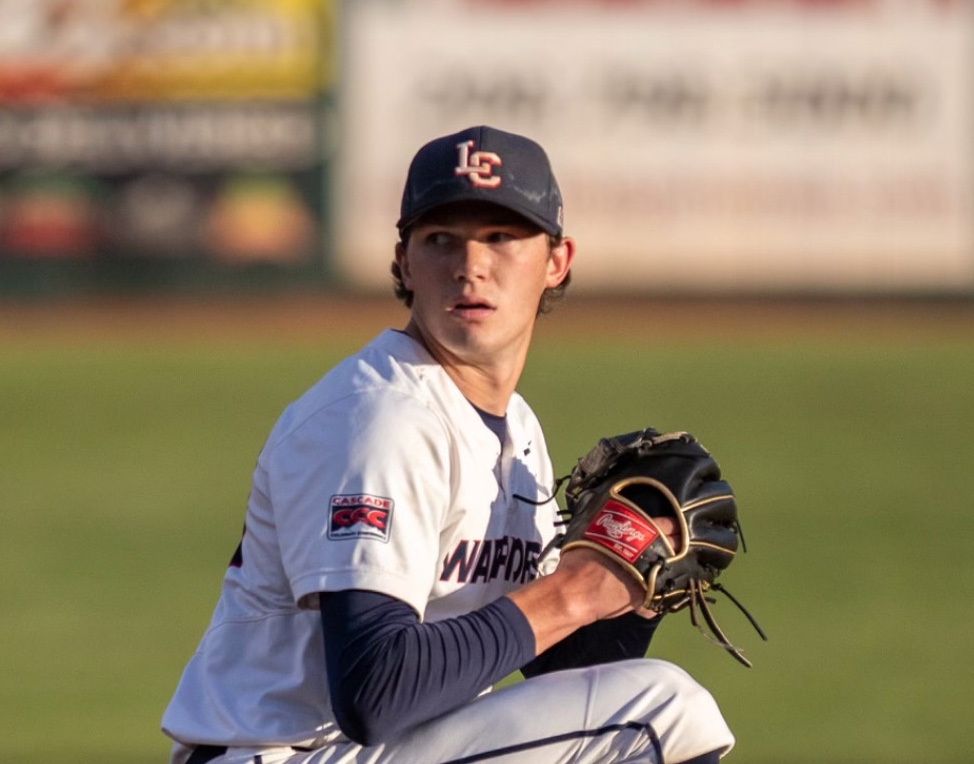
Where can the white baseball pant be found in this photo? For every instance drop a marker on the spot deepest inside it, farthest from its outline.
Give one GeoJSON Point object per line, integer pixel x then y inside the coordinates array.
{"type": "Point", "coordinates": [643, 711]}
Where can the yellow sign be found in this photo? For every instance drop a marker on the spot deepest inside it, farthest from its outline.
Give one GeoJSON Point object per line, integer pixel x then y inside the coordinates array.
{"type": "Point", "coordinates": [145, 50]}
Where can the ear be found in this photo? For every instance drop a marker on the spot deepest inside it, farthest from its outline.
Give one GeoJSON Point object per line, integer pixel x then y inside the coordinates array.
{"type": "Point", "coordinates": [560, 262]}
{"type": "Point", "coordinates": [403, 262]}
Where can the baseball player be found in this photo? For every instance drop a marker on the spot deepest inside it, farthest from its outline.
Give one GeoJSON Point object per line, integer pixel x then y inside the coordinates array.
{"type": "Point", "coordinates": [389, 572]}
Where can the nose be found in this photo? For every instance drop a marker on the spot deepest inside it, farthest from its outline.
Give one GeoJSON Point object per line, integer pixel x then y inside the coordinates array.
{"type": "Point", "coordinates": [473, 261]}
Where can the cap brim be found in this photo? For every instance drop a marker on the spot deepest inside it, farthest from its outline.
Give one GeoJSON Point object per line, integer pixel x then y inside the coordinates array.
{"type": "Point", "coordinates": [529, 215]}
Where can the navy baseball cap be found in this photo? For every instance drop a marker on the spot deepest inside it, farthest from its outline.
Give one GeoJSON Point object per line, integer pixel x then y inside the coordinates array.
{"type": "Point", "coordinates": [488, 165]}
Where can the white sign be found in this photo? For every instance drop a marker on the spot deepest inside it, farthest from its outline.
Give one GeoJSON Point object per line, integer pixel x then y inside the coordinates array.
{"type": "Point", "coordinates": [753, 147]}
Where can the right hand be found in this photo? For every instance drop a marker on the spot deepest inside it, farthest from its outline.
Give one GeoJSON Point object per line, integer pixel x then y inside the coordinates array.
{"type": "Point", "coordinates": [599, 583]}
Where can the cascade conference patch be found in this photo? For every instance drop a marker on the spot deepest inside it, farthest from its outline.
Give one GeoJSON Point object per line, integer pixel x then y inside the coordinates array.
{"type": "Point", "coordinates": [359, 516]}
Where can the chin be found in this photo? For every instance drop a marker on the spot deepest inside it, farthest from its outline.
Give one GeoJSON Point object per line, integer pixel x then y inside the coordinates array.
{"type": "Point", "coordinates": [467, 341]}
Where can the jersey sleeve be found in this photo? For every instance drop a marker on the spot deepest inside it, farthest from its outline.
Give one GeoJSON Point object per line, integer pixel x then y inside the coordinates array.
{"type": "Point", "coordinates": [388, 672]}
{"type": "Point", "coordinates": [359, 491]}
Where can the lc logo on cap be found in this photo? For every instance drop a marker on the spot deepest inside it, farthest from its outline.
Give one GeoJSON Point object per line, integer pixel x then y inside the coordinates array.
{"type": "Point", "coordinates": [478, 166]}
{"type": "Point", "coordinates": [468, 167]}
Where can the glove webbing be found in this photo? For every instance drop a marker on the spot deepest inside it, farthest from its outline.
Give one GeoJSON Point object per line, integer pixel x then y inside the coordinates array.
{"type": "Point", "coordinates": [610, 451]}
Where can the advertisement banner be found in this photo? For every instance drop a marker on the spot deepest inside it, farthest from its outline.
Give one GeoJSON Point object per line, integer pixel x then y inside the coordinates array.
{"type": "Point", "coordinates": [135, 131]}
{"type": "Point", "coordinates": [755, 146]}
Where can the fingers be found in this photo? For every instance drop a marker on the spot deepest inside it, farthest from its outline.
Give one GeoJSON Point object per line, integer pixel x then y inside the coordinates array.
{"type": "Point", "coordinates": [670, 529]}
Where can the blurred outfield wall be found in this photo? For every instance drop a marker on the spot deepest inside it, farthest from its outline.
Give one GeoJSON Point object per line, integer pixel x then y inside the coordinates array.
{"type": "Point", "coordinates": [163, 141]}
{"type": "Point", "coordinates": [736, 144]}
{"type": "Point", "coordinates": [756, 146]}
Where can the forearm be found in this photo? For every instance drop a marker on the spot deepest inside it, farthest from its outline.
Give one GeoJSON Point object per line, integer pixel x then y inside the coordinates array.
{"type": "Point", "coordinates": [586, 587]}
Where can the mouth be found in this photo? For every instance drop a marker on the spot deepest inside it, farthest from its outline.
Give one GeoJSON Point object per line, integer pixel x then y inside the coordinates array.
{"type": "Point", "coordinates": [472, 308]}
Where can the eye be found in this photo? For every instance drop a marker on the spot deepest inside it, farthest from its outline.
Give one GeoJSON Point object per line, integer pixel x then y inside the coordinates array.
{"type": "Point", "coordinates": [501, 237]}
{"type": "Point", "coordinates": [438, 238]}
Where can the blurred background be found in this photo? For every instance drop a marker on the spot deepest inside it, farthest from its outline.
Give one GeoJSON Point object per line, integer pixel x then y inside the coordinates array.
{"type": "Point", "coordinates": [774, 207]}
{"type": "Point", "coordinates": [756, 146]}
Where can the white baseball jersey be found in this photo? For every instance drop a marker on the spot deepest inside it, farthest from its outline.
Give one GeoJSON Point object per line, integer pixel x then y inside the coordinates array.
{"type": "Point", "coordinates": [381, 477]}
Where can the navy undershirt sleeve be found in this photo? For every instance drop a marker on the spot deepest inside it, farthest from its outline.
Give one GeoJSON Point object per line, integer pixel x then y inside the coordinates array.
{"type": "Point", "coordinates": [388, 672]}
{"type": "Point", "coordinates": [615, 639]}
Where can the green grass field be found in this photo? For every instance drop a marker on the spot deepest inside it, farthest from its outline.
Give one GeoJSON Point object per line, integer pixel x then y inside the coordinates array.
{"type": "Point", "coordinates": [124, 470]}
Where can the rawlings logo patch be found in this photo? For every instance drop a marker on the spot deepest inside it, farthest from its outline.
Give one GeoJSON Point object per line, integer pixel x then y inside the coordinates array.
{"type": "Point", "coordinates": [358, 516]}
{"type": "Point", "coordinates": [622, 530]}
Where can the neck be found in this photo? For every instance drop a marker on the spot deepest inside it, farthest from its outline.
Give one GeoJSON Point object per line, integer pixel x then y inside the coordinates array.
{"type": "Point", "coordinates": [481, 390]}
{"type": "Point", "coordinates": [487, 383]}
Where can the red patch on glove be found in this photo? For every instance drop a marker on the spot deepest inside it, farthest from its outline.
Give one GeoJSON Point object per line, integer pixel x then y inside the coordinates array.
{"type": "Point", "coordinates": [621, 530]}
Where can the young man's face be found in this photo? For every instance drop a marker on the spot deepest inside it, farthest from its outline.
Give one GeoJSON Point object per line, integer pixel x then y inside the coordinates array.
{"type": "Point", "coordinates": [477, 272]}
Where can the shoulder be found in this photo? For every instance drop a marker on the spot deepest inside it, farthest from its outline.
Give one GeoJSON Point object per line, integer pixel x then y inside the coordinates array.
{"type": "Point", "coordinates": [519, 408]}
{"type": "Point", "coordinates": [389, 397]}
{"type": "Point", "coordinates": [522, 418]}
{"type": "Point", "coordinates": [386, 381]}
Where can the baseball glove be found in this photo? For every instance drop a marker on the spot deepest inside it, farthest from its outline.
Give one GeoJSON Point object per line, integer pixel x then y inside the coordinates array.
{"type": "Point", "coordinates": [616, 492]}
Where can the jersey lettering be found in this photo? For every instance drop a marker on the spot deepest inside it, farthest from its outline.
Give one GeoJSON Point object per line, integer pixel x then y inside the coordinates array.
{"type": "Point", "coordinates": [482, 561]}
{"type": "Point", "coordinates": [461, 561]}
{"type": "Point", "coordinates": [499, 556]}
{"type": "Point", "coordinates": [515, 559]}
